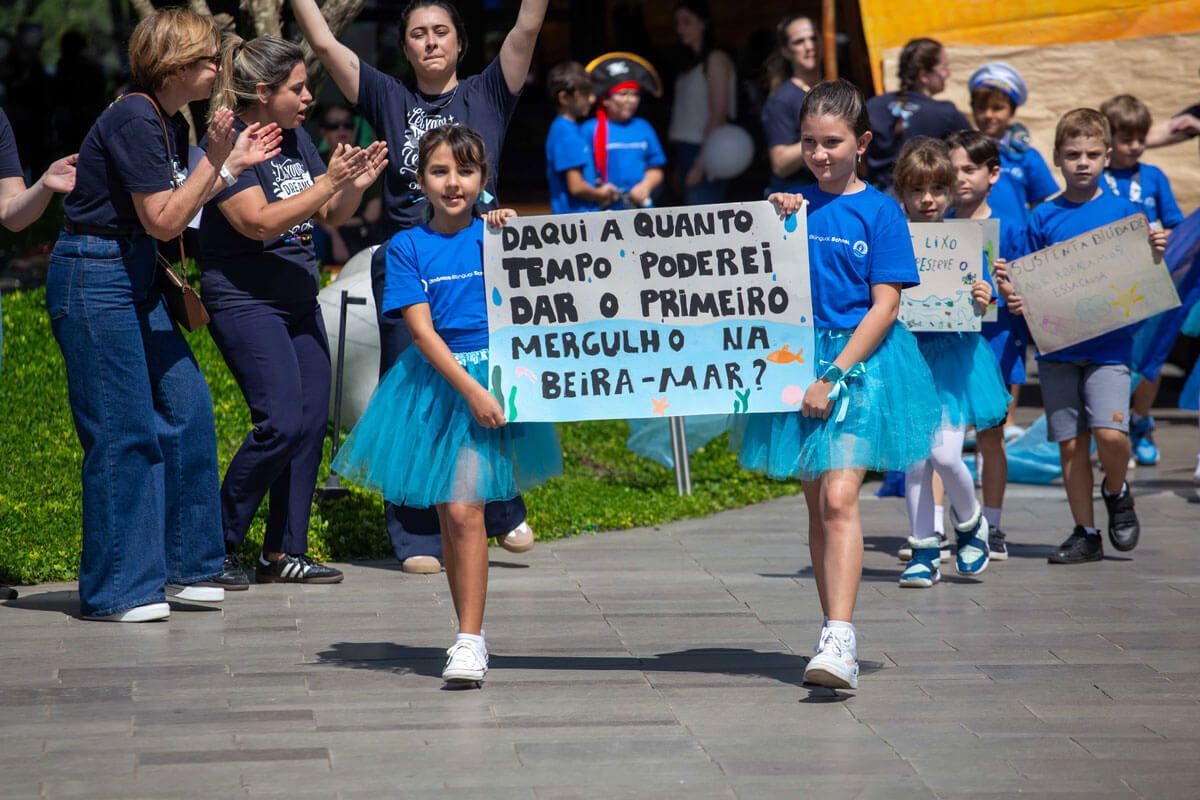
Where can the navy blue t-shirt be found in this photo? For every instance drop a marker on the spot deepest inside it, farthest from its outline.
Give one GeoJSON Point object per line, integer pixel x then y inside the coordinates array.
{"type": "Point", "coordinates": [781, 124]}
{"type": "Point", "coordinates": [896, 118]}
{"type": "Point", "coordinates": [633, 148]}
{"type": "Point", "coordinates": [124, 152]}
{"type": "Point", "coordinates": [424, 266]}
{"type": "Point", "coordinates": [238, 270]}
{"type": "Point", "coordinates": [10, 162]}
{"type": "Point", "coordinates": [854, 242]}
{"type": "Point", "coordinates": [566, 149]}
{"type": "Point", "coordinates": [402, 115]}
{"type": "Point", "coordinates": [1057, 221]}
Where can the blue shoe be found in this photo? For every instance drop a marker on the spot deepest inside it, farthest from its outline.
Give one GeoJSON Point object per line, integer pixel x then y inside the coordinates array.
{"type": "Point", "coordinates": [972, 536]}
{"type": "Point", "coordinates": [892, 486]}
{"type": "Point", "coordinates": [1145, 451]}
{"type": "Point", "coordinates": [924, 569]}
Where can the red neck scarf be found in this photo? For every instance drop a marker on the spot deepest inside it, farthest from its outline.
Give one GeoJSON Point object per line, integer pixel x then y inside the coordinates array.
{"type": "Point", "coordinates": [600, 138]}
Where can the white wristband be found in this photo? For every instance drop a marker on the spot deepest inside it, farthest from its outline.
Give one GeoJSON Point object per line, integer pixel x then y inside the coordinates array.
{"type": "Point", "coordinates": [228, 177]}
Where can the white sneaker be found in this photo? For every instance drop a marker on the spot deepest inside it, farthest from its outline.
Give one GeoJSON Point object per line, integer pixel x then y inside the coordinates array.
{"type": "Point", "coordinates": [836, 665]}
{"type": "Point", "coordinates": [519, 539]}
{"type": "Point", "coordinates": [905, 552]}
{"type": "Point", "coordinates": [151, 612]}
{"type": "Point", "coordinates": [1196, 474]}
{"type": "Point", "coordinates": [466, 663]}
{"type": "Point", "coordinates": [196, 592]}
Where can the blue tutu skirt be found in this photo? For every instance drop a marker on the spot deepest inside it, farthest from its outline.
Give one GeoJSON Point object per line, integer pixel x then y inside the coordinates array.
{"type": "Point", "coordinates": [891, 417]}
{"type": "Point", "coordinates": [418, 445]}
{"type": "Point", "coordinates": [967, 378]}
{"type": "Point", "coordinates": [1008, 337]}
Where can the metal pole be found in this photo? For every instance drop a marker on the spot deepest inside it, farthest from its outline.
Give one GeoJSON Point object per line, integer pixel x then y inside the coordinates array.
{"type": "Point", "coordinates": [829, 38]}
{"type": "Point", "coordinates": [679, 453]}
{"type": "Point", "coordinates": [332, 487]}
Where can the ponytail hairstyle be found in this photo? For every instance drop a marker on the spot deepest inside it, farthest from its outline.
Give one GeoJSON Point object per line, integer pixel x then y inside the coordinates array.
{"type": "Point", "coordinates": [838, 98]}
{"type": "Point", "coordinates": [466, 146]}
{"type": "Point", "coordinates": [919, 55]}
{"type": "Point", "coordinates": [777, 66]}
{"type": "Point", "coordinates": [246, 64]}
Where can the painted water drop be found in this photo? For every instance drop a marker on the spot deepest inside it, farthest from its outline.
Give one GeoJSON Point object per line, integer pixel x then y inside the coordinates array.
{"type": "Point", "coordinates": [790, 223]}
{"type": "Point", "coordinates": [496, 299]}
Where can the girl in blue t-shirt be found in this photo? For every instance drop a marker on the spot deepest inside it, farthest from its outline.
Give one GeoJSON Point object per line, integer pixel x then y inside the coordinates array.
{"type": "Point", "coordinates": [970, 391]}
{"type": "Point", "coordinates": [873, 406]}
{"type": "Point", "coordinates": [432, 434]}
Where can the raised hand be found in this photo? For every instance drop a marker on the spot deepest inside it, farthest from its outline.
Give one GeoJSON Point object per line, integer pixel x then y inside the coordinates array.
{"type": "Point", "coordinates": [376, 156]}
{"type": "Point", "coordinates": [345, 165]}
{"type": "Point", "coordinates": [60, 176]}
{"type": "Point", "coordinates": [256, 144]}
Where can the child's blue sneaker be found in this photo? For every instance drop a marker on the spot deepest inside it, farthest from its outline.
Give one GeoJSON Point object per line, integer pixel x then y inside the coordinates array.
{"type": "Point", "coordinates": [924, 568]}
{"type": "Point", "coordinates": [972, 537]}
{"type": "Point", "coordinates": [1145, 451]}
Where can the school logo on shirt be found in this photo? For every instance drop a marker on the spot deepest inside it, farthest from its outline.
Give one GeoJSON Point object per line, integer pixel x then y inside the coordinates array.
{"type": "Point", "coordinates": [419, 124]}
{"type": "Point", "coordinates": [860, 248]}
{"type": "Point", "coordinates": [290, 177]}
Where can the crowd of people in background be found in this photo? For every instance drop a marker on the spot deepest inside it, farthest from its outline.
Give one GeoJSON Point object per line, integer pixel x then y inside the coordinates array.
{"type": "Point", "coordinates": [415, 165]}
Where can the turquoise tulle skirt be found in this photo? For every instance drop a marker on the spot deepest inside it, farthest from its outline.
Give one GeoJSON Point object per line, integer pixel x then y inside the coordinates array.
{"type": "Point", "coordinates": [967, 378]}
{"type": "Point", "coordinates": [418, 445]}
{"type": "Point", "coordinates": [891, 416]}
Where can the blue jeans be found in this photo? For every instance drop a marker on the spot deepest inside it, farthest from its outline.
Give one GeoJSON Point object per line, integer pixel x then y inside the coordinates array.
{"type": "Point", "coordinates": [414, 531]}
{"type": "Point", "coordinates": [279, 355]}
{"type": "Point", "coordinates": [151, 509]}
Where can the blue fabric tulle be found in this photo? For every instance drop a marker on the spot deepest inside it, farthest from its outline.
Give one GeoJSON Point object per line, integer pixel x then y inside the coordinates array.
{"type": "Point", "coordinates": [418, 445]}
{"type": "Point", "coordinates": [1008, 337]}
{"type": "Point", "coordinates": [967, 378]}
{"type": "Point", "coordinates": [891, 416]}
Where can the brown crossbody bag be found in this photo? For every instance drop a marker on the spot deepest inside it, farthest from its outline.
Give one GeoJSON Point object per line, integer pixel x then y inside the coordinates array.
{"type": "Point", "coordinates": [182, 300]}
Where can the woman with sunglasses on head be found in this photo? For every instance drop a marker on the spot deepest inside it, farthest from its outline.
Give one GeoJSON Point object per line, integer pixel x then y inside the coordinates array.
{"type": "Point", "coordinates": [434, 43]}
{"type": "Point", "coordinates": [151, 509]}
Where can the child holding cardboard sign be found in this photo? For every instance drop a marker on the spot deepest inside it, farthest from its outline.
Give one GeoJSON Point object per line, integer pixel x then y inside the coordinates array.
{"type": "Point", "coordinates": [873, 406]}
{"type": "Point", "coordinates": [969, 387]}
{"type": "Point", "coordinates": [1085, 387]}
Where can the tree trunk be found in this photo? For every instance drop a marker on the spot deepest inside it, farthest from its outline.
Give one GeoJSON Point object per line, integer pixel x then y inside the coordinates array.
{"type": "Point", "coordinates": [266, 14]}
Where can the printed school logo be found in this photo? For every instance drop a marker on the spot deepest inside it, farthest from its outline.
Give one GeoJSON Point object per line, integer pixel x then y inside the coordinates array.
{"type": "Point", "coordinates": [419, 124]}
{"type": "Point", "coordinates": [860, 248]}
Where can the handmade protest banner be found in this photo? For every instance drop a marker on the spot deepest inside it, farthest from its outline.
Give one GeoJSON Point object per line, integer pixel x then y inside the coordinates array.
{"type": "Point", "coordinates": [1097, 282]}
{"type": "Point", "coordinates": [991, 251]}
{"type": "Point", "coordinates": [655, 312]}
{"type": "Point", "coordinates": [949, 259]}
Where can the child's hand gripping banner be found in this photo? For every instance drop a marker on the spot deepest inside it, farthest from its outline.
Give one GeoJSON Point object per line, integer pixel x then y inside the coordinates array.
{"type": "Point", "coordinates": [1097, 282]}
{"type": "Point", "coordinates": [949, 259]}
{"type": "Point", "coordinates": [658, 312]}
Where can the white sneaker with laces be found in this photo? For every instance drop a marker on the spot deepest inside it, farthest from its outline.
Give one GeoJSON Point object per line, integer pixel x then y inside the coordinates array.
{"type": "Point", "coordinates": [836, 665]}
{"type": "Point", "coordinates": [151, 612]}
{"type": "Point", "coordinates": [466, 662]}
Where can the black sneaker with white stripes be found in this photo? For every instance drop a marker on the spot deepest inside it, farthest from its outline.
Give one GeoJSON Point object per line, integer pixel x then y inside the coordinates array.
{"type": "Point", "coordinates": [295, 569]}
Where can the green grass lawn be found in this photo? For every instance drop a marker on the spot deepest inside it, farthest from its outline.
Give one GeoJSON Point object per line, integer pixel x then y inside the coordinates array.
{"type": "Point", "coordinates": [604, 486]}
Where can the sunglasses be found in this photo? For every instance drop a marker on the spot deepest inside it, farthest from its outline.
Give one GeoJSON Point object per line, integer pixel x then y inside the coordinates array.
{"type": "Point", "coordinates": [345, 125]}
{"type": "Point", "coordinates": [214, 60]}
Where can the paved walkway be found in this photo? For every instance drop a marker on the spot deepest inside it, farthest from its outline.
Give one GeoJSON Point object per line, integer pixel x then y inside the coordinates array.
{"type": "Point", "coordinates": [646, 664]}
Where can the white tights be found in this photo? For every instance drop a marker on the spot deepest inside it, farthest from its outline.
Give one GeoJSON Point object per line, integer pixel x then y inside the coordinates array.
{"type": "Point", "coordinates": [946, 458]}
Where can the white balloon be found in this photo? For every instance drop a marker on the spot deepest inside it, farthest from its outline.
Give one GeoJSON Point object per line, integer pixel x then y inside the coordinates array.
{"type": "Point", "coordinates": [360, 373]}
{"type": "Point", "coordinates": [728, 151]}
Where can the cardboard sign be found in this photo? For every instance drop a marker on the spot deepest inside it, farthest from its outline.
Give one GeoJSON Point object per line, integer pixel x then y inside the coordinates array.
{"type": "Point", "coordinates": [656, 312]}
{"type": "Point", "coordinates": [1095, 283]}
{"type": "Point", "coordinates": [991, 251]}
{"type": "Point", "coordinates": [949, 259]}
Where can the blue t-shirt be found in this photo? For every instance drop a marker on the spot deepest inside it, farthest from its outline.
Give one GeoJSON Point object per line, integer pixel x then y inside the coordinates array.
{"type": "Point", "coordinates": [403, 115]}
{"type": "Point", "coordinates": [896, 118]}
{"type": "Point", "coordinates": [424, 266]}
{"type": "Point", "coordinates": [854, 242]}
{"type": "Point", "coordinates": [781, 125]}
{"type": "Point", "coordinates": [566, 149]}
{"type": "Point", "coordinates": [124, 152]}
{"type": "Point", "coordinates": [1145, 185]}
{"type": "Point", "coordinates": [1025, 181]}
{"type": "Point", "coordinates": [1058, 220]}
{"type": "Point", "coordinates": [633, 148]}
{"type": "Point", "coordinates": [238, 270]}
{"type": "Point", "coordinates": [10, 162]}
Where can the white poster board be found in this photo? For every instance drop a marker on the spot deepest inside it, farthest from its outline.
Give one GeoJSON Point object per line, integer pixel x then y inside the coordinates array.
{"type": "Point", "coordinates": [949, 259]}
{"type": "Point", "coordinates": [1095, 283]}
{"type": "Point", "coordinates": [656, 312]}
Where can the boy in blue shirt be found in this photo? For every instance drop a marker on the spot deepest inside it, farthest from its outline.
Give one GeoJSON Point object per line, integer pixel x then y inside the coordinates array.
{"type": "Point", "coordinates": [625, 146]}
{"type": "Point", "coordinates": [997, 90]}
{"type": "Point", "coordinates": [1148, 187]}
{"type": "Point", "coordinates": [570, 169]}
{"type": "Point", "coordinates": [1085, 387]}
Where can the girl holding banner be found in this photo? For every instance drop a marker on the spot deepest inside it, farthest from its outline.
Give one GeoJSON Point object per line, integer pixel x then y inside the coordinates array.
{"type": "Point", "coordinates": [873, 406]}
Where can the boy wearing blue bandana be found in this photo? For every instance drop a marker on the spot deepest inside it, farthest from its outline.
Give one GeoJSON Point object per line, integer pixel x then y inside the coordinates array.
{"type": "Point", "coordinates": [1085, 387]}
{"type": "Point", "coordinates": [997, 90]}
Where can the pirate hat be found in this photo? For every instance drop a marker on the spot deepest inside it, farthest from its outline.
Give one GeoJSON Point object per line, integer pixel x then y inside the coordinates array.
{"type": "Point", "coordinates": [624, 70]}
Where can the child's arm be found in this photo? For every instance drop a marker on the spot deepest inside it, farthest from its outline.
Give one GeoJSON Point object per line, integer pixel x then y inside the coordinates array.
{"type": "Point", "coordinates": [602, 196]}
{"type": "Point", "coordinates": [516, 54]}
{"type": "Point", "coordinates": [484, 407]}
{"type": "Point", "coordinates": [642, 190]}
{"type": "Point", "coordinates": [340, 60]}
{"type": "Point", "coordinates": [885, 307]}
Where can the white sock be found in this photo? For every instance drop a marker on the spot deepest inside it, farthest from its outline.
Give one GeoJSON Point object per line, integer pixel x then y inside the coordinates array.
{"type": "Point", "coordinates": [939, 520]}
{"type": "Point", "coordinates": [992, 515]}
{"type": "Point", "coordinates": [472, 638]}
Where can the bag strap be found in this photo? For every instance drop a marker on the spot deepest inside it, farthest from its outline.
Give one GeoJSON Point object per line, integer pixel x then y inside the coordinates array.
{"type": "Point", "coordinates": [162, 124]}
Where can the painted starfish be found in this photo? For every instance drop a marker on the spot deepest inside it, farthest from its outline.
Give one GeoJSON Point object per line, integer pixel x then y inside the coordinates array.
{"type": "Point", "coordinates": [1127, 300]}
{"type": "Point", "coordinates": [660, 405]}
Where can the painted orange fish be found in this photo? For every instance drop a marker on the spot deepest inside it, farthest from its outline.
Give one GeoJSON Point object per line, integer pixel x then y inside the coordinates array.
{"type": "Point", "coordinates": [660, 405]}
{"type": "Point", "coordinates": [784, 355]}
